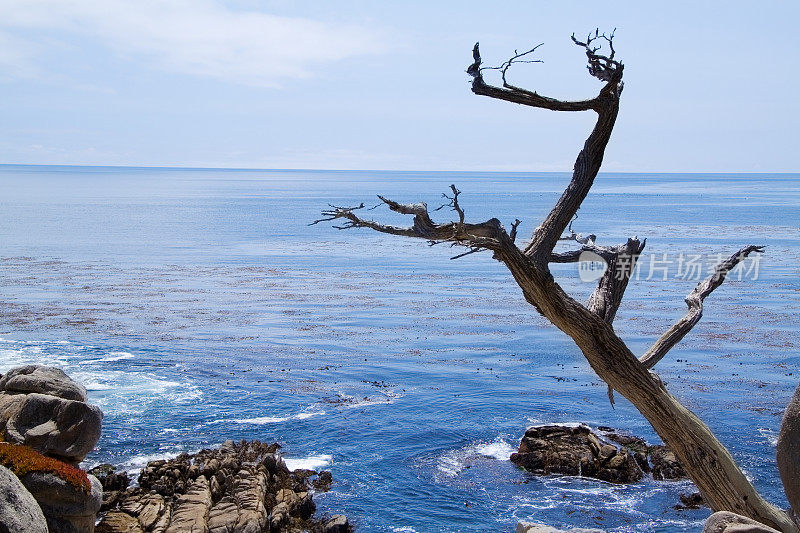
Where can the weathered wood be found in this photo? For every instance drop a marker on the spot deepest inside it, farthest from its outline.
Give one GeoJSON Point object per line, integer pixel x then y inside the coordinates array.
{"type": "Point", "coordinates": [695, 303]}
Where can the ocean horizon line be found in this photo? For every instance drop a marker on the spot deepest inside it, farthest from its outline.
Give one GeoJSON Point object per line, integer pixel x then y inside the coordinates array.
{"type": "Point", "coordinates": [397, 171]}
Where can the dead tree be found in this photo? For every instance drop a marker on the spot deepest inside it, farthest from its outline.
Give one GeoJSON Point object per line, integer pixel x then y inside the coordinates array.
{"type": "Point", "coordinates": [707, 461]}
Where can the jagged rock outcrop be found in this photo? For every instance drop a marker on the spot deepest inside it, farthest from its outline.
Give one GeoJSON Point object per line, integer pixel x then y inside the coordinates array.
{"type": "Point", "coordinates": [575, 451]}
{"type": "Point", "coordinates": [43, 408]}
{"type": "Point", "coordinates": [19, 512]}
{"type": "Point", "coordinates": [607, 455]}
{"type": "Point", "coordinates": [114, 484]}
{"type": "Point", "coordinates": [238, 488]}
{"type": "Point", "coordinates": [653, 458]}
{"type": "Point", "coordinates": [727, 522]}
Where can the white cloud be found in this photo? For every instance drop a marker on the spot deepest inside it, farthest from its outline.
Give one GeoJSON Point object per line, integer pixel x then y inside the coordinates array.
{"type": "Point", "coordinates": [196, 37]}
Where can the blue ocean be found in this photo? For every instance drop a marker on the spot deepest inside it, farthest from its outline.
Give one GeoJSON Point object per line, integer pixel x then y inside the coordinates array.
{"type": "Point", "coordinates": [198, 305]}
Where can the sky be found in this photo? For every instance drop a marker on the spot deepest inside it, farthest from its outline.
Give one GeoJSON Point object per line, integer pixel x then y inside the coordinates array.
{"type": "Point", "coordinates": [710, 86]}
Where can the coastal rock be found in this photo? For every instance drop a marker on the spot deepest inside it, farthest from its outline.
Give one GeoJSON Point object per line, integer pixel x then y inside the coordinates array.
{"type": "Point", "coordinates": [323, 481]}
{"type": "Point", "coordinates": [238, 488]}
{"type": "Point", "coordinates": [190, 513]}
{"type": "Point", "coordinates": [694, 500]}
{"type": "Point", "coordinates": [536, 527]}
{"type": "Point", "coordinates": [727, 522]}
{"type": "Point", "coordinates": [43, 408]}
{"type": "Point", "coordinates": [574, 451]}
{"type": "Point", "coordinates": [19, 512]}
{"type": "Point", "coordinates": [607, 455]}
{"type": "Point", "coordinates": [665, 464]}
{"type": "Point", "coordinates": [337, 524]}
{"type": "Point", "coordinates": [43, 380]}
{"type": "Point", "coordinates": [67, 509]}
{"type": "Point", "coordinates": [64, 429]}
{"type": "Point", "coordinates": [116, 522]}
{"type": "Point", "coordinates": [114, 484]}
{"type": "Point", "coordinates": [788, 451]}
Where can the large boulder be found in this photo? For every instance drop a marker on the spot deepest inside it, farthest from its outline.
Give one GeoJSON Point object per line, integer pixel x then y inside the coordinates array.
{"type": "Point", "coordinates": [43, 408]}
{"type": "Point", "coordinates": [53, 426]}
{"type": "Point", "coordinates": [44, 380]}
{"type": "Point", "coordinates": [727, 522]}
{"type": "Point", "coordinates": [19, 512]}
{"type": "Point", "coordinates": [788, 452]}
{"type": "Point", "coordinates": [67, 508]}
{"type": "Point", "coordinates": [575, 451]}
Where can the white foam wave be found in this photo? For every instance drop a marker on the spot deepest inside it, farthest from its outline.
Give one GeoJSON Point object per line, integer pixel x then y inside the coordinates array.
{"type": "Point", "coordinates": [304, 416]}
{"type": "Point", "coordinates": [137, 462]}
{"type": "Point", "coordinates": [112, 356]}
{"type": "Point", "coordinates": [453, 462]}
{"type": "Point", "coordinates": [499, 449]}
{"type": "Point", "coordinates": [769, 435]}
{"type": "Point", "coordinates": [259, 420]}
{"type": "Point", "coordinates": [313, 462]}
{"type": "Point", "coordinates": [29, 355]}
{"type": "Point", "coordinates": [450, 464]}
{"type": "Point", "coordinates": [123, 391]}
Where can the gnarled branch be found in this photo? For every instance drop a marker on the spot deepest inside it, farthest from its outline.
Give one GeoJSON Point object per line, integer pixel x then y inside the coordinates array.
{"type": "Point", "coordinates": [488, 235]}
{"type": "Point", "coordinates": [695, 303]}
{"type": "Point", "coordinates": [602, 67]}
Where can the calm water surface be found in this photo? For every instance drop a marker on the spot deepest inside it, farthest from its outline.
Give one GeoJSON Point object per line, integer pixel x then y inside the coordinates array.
{"type": "Point", "coordinates": [198, 305]}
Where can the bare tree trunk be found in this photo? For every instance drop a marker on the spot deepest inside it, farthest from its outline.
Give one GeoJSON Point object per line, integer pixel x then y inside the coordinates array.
{"type": "Point", "coordinates": [706, 460]}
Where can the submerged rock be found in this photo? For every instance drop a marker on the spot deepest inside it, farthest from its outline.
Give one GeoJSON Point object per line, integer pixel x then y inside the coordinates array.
{"type": "Point", "coordinates": [694, 500]}
{"type": "Point", "coordinates": [237, 488]}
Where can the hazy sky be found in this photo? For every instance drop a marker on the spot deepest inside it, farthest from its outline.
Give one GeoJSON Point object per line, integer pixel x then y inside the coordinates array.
{"type": "Point", "coordinates": [710, 86]}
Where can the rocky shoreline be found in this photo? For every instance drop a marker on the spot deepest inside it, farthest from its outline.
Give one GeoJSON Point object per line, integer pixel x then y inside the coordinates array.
{"type": "Point", "coordinates": [46, 430]}
{"type": "Point", "coordinates": [239, 487]}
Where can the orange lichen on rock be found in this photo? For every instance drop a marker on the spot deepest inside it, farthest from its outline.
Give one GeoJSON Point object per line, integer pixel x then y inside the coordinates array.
{"type": "Point", "coordinates": [23, 460]}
